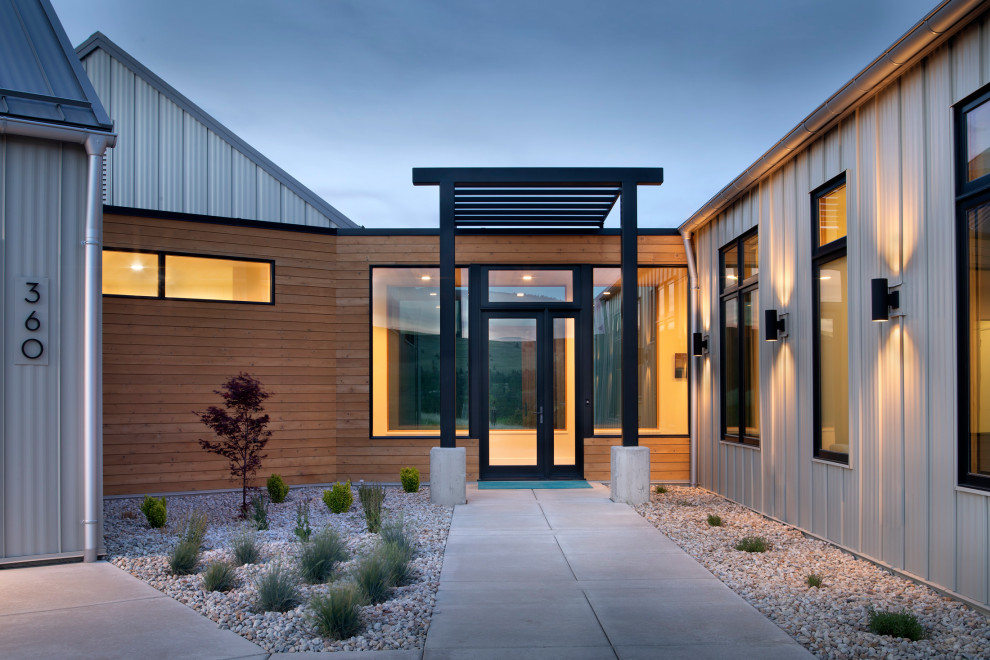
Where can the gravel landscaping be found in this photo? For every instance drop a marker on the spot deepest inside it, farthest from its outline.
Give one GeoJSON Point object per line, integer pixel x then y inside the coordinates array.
{"type": "Point", "coordinates": [831, 621]}
{"type": "Point", "coordinates": [398, 623]}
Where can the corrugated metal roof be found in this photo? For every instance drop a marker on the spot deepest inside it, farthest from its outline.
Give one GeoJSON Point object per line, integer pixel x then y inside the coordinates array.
{"type": "Point", "coordinates": [269, 202]}
{"type": "Point", "coordinates": [41, 78]}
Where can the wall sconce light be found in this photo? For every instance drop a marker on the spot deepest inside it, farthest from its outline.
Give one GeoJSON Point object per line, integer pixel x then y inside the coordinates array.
{"type": "Point", "coordinates": [883, 299]}
{"type": "Point", "coordinates": [699, 344]}
{"type": "Point", "coordinates": [776, 326]}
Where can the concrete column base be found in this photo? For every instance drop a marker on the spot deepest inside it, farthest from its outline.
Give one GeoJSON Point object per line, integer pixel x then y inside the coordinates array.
{"type": "Point", "coordinates": [630, 475]}
{"type": "Point", "coordinates": [448, 475]}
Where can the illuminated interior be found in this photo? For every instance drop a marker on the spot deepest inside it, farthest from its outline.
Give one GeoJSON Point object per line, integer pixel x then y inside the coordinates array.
{"type": "Point", "coordinates": [833, 386]}
{"type": "Point", "coordinates": [541, 286]}
{"type": "Point", "coordinates": [832, 216]}
{"type": "Point", "coordinates": [978, 141]}
{"type": "Point", "coordinates": [663, 364]}
{"type": "Point", "coordinates": [130, 273]}
{"type": "Point", "coordinates": [405, 347]}
{"type": "Point", "coordinates": [978, 220]}
{"type": "Point", "coordinates": [564, 441]}
{"type": "Point", "coordinates": [208, 278]}
{"type": "Point", "coordinates": [512, 392]}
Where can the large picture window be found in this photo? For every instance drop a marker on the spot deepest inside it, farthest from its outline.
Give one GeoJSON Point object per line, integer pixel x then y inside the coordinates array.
{"type": "Point", "coordinates": [740, 300]}
{"type": "Point", "coordinates": [662, 314]}
{"type": "Point", "coordinates": [830, 291]}
{"type": "Point", "coordinates": [973, 254]}
{"type": "Point", "coordinates": [405, 347]}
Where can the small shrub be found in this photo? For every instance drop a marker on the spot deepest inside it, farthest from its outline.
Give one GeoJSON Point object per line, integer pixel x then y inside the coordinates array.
{"type": "Point", "coordinates": [339, 498]}
{"type": "Point", "coordinates": [714, 520]}
{"type": "Point", "coordinates": [154, 511]}
{"type": "Point", "coordinates": [409, 476]}
{"type": "Point", "coordinates": [259, 512]}
{"type": "Point", "coordinates": [184, 557]}
{"type": "Point", "coordinates": [277, 589]}
{"type": "Point", "coordinates": [303, 531]}
{"type": "Point", "coordinates": [393, 533]}
{"type": "Point", "coordinates": [372, 497]}
{"type": "Point", "coordinates": [277, 490]}
{"type": "Point", "coordinates": [246, 548]}
{"type": "Point", "coordinates": [896, 624]}
{"type": "Point", "coordinates": [195, 529]}
{"type": "Point", "coordinates": [660, 489]}
{"type": "Point", "coordinates": [814, 580]}
{"type": "Point", "coordinates": [753, 544]}
{"type": "Point", "coordinates": [320, 556]}
{"type": "Point", "coordinates": [219, 576]}
{"type": "Point", "coordinates": [336, 615]}
{"type": "Point", "coordinates": [373, 576]}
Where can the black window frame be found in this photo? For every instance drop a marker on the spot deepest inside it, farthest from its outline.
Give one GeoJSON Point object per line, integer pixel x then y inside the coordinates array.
{"type": "Point", "coordinates": [821, 255]}
{"type": "Point", "coordinates": [969, 195]}
{"type": "Point", "coordinates": [736, 294]}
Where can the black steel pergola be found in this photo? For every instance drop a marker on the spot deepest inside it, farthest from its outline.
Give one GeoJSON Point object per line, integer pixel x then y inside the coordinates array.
{"type": "Point", "coordinates": [496, 199]}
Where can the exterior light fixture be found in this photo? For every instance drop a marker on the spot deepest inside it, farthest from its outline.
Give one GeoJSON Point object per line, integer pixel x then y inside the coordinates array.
{"type": "Point", "coordinates": [883, 299]}
{"type": "Point", "coordinates": [775, 324]}
{"type": "Point", "coordinates": [699, 344]}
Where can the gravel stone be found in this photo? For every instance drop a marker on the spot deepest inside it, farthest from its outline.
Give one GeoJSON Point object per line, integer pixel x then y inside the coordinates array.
{"type": "Point", "coordinates": [830, 621]}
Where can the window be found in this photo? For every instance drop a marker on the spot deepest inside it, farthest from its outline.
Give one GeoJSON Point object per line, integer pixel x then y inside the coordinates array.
{"type": "Point", "coordinates": [740, 299]}
{"type": "Point", "coordinates": [831, 321]}
{"type": "Point", "coordinates": [405, 347]}
{"type": "Point", "coordinates": [973, 256]}
{"type": "Point", "coordinates": [523, 286]}
{"type": "Point", "coordinates": [663, 387]}
{"type": "Point", "coordinates": [186, 277]}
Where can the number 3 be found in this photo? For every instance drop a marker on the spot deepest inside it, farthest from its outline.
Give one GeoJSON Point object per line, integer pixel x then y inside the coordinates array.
{"type": "Point", "coordinates": [33, 288]}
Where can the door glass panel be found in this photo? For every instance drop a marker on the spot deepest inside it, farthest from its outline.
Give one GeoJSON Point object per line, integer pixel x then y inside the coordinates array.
{"type": "Point", "coordinates": [833, 385]}
{"type": "Point", "coordinates": [978, 221]}
{"type": "Point", "coordinates": [730, 312]}
{"type": "Point", "coordinates": [530, 286]}
{"type": "Point", "coordinates": [512, 394]}
{"type": "Point", "coordinates": [563, 392]}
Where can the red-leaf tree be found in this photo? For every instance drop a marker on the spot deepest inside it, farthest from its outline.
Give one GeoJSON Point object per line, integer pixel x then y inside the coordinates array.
{"type": "Point", "coordinates": [243, 431]}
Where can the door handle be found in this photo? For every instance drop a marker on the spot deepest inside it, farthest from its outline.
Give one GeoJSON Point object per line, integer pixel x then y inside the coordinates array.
{"type": "Point", "coordinates": [539, 415]}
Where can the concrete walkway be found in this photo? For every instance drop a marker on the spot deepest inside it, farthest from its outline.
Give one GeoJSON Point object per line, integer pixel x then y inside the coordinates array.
{"type": "Point", "coordinates": [527, 574]}
{"type": "Point", "coordinates": [569, 574]}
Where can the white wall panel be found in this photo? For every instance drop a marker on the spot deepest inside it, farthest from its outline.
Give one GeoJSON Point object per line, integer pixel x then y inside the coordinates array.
{"type": "Point", "coordinates": [244, 177]}
{"type": "Point", "coordinates": [145, 136]}
{"type": "Point", "coordinates": [122, 101]}
{"type": "Point", "coordinates": [195, 160]}
{"type": "Point", "coordinates": [170, 161]}
{"type": "Point", "coordinates": [219, 191]}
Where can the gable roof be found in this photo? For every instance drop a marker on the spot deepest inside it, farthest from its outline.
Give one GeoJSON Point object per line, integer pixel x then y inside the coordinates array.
{"type": "Point", "coordinates": [208, 169]}
{"type": "Point", "coordinates": [41, 78]}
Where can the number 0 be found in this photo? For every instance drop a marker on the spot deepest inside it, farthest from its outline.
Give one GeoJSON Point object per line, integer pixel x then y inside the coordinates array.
{"type": "Point", "coordinates": [32, 349]}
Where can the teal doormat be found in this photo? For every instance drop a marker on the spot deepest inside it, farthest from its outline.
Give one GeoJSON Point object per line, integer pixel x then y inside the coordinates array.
{"type": "Point", "coordinates": [519, 485]}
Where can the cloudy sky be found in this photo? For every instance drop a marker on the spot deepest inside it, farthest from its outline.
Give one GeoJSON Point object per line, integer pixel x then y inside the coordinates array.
{"type": "Point", "coordinates": [349, 95]}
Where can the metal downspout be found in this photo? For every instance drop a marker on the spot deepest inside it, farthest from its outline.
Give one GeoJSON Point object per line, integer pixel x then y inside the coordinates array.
{"type": "Point", "coordinates": [96, 146]}
{"type": "Point", "coordinates": [693, 325]}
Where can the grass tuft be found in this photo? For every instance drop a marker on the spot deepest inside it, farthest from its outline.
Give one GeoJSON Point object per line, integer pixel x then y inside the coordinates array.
{"type": "Point", "coordinates": [195, 528]}
{"type": "Point", "coordinates": [393, 533]}
{"type": "Point", "coordinates": [259, 512]}
{"type": "Point", "coordinates": [336, 614]}
{"type": "Point", "coordinates": [814, 580]}
{"type": "Point", "coordinates": [220, 576]}
{"type": "Point", "coordinates": [715, 520]}
{"type": "Point", "coordinates": [375, 576]}
{"type": "Point", "coordinates": [660, 490]}
{"type": "Point", "coordinates": [184, 557]}
{"type": "Point", "coordinates": [372, 497]}
{"type": "Point", "coordinates": [896, 624]}
{"type": "Point", "coordinates": [277, 590]}
{"type": "Point", "coordinates": [245, 548]}
{"type": "Point", "coordinates": [753, 544]}
{"type": "Point", "coordinates": [320, 556]}
{"type": "Point", "coordinates": [303, 531]}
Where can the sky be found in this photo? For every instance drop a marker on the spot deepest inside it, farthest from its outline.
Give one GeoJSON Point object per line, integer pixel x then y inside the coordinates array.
{"type": "Point", "coordinates": [348, 96]}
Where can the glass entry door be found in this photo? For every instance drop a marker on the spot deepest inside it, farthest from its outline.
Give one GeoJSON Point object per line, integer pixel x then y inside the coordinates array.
{"type": "Point", "coordinates": [529, 420]}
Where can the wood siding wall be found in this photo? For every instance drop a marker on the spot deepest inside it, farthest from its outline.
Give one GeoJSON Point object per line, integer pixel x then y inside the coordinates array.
{"type": "Point", "coordinates": [897, 501]}
{"type": "Point", "coordinates": [164, 358]}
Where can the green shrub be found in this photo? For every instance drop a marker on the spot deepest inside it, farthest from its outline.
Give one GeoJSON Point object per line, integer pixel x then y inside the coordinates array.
{"type": "Point", "coordinates": [409, 476]}
{"type": "Point", "coordinates": [246, 548]}
{"type": "Point", "coordinates": [393, 533]}
{"type": "Point", "coordinates": [303, 531]}
{"type": "Point", "coordinates": [714, 520]}
{"type": "Point", "coordinates": [336, 615]}
{"type": "Point", "coordinates": [814, 580]}
{"type": "Point", "coordinates": [277, 490]}
{"type": "Point", "coordinates": [184, 557]}
{"type": "Point", "coordinates": [373, 576]}
{"type": "Point", "coordinates": [660, 489]}
{"type": "Point", "coordinates": [219, 576]}
{"type": "Point", "coordinates": [896, 624]}
{"type": "Point", "coordinates": [259, 512]}
{"type": "Point", "coordinates": [154, 511]}
{"type": "Point", "coordinates": [372, 497]}
{"type": "Point", "coordinates": [320, 556]}
{"type": "Point", "coordinates": [339, 498]}
{"type": "Point", "coordinates": [195, 528]}
{"type": "Point", "coordinates": [277, 590]}
{"type": "Point", "coordinates": [753, 544]}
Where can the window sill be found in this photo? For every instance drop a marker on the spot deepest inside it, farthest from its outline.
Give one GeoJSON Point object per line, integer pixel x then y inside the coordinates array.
{"type": "Point", "coordinates": [972, 490]}
{"type": "Point", "coordinates": [735, 443]}
{"type": "Point", "coordinates": [837, 464]}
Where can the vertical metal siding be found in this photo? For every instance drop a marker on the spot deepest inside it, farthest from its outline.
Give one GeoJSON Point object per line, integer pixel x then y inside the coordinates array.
{"type": "Point", "coordinates": [244, 186]}
{"type": "Point", "coordinates": [145, 136]}
{"type": "Point", "coordinates": [170, 159]}
{"type": "Point", "coordinates": [97, 68]}
{"type": "Point", "coordinates": [194, 165]}
{"type": "Point", "coordinates": [269, 197]}
{"type": "Point", "coordinates": [122, 102]}
{"type": "Point", "coordinates": [219, 187]}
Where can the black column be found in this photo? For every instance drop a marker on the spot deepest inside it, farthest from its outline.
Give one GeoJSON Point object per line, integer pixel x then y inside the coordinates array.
{"type": "Point", "coordinates": [448, 367]}
{"type": "Point", "coordinates": [630, 330]}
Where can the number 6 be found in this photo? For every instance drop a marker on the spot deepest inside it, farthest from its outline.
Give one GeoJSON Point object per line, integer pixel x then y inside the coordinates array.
{"type": "Point", "coordinates": [32, 323]}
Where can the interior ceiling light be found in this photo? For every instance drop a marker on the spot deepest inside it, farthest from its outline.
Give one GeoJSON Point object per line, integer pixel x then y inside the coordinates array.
{"type": "Point", "coordinates": [425, 278]}
{"type": "Point", "coordinates": [137, 266]}
{"type": "Point", "coordinates": [527, 277]}
{"type": "Point", "coordinates": [433, 293]}
{"type": "Point", "coordinates": [520, 294]}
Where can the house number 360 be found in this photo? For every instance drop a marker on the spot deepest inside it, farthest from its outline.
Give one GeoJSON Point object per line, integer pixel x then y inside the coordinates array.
{"type": "Point", "coordinates": [32, 348]}
{"type": "Point", "coordinates": [31, 304]}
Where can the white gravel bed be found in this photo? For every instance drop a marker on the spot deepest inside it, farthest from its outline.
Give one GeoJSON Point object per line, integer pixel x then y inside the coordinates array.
{"type": "Point", "coordinates": [399, 623]}
{"type": "Point", "coordinates": [830, 621]}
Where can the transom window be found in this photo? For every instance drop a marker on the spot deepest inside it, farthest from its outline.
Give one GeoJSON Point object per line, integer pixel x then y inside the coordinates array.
{"type": "Point", "coordinates": [740, 300]}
